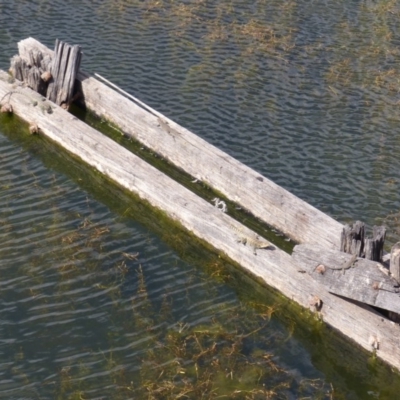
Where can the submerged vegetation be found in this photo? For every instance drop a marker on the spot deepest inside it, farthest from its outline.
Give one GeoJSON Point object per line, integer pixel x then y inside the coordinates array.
{"type": "Point", "coordinates": [112, 314]}
{"type": "Point", "coordinates": [200, 188]}
{"type": "Point", "coordinates": [95, 305]}
{"type": "Point", "coordinates": [86, 277]}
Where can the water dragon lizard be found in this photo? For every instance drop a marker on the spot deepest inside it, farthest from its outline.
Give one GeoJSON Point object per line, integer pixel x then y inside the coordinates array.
{"type": "Point", "coordinates": [346, 265]}
{"type": "Point", "coordinates": [252, 240]}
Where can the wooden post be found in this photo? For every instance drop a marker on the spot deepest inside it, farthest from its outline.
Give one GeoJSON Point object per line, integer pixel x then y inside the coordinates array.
{"type": "Point", "coordinates": [395, 261]}
{"type": "Point", "coordinates": [352, 239]}
{"type": "Point", "coordinates": [53, 78]}
{"type": "Point", "coordinates": [64, 68]}
{"type": "Point", "coordinates": [373, 247]}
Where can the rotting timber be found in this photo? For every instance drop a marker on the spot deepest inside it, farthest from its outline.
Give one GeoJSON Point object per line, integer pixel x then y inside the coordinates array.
{"type": "Point", "coordinates": [275, 267]}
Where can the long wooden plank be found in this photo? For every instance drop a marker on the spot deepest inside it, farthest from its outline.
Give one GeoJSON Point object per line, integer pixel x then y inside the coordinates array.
{"type": "Point", "coordinates": [358, 279]}
{"type": "Point", "coordinates": [262, 197]}
{"type": "Point", "coordinates": [273, 266]}
{"type": "Point", "coordinates": [266, 200]}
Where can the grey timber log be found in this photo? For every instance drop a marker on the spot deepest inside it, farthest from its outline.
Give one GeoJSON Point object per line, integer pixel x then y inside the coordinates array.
{"type": "Point", "coordinates": [241, 184]}
{"type": "Point", "coordinates": [363, 280]}
{"type": "Point", "coordinates": [255, 193]}
{"type": "Point", "coordinates": [395, 261]}
{"type": "Point", "coordinates": [273, 266]}
{"type": "Point", "coordinates": [64, 68]}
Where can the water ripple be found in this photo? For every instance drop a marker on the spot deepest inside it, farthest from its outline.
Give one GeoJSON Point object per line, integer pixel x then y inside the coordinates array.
{"type": "Point", "coordinates": [295, 90]}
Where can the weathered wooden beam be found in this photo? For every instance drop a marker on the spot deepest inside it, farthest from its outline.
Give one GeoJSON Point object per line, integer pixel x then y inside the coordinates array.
{"type": "Point", "coordinates": [255, 193]}
{"type": "Point", "coordinates": [273, 266]}
{"type": "Point", "coordinates": [355, 278]}
{"type": "Point", "coordinates": [34, 80]}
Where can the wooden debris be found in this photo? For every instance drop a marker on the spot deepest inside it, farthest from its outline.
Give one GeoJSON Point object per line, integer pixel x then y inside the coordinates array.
{"type": "Point", "coordinates": [277, 268]}
{"type": "Point", "coordinates": [320, 269]}
{"type": "Point", "coordinates": [374, 342]}
{"type": "Point", "coordinates": [315, 303]}
{"type": "Point", "coordinates": [354, 241]}
{"type": "Point", "coordinates": [358, 279]}
{"type": "Point", "coordinates": [52, 76]}
{"type": "Point", "coordinates": [19, 68]}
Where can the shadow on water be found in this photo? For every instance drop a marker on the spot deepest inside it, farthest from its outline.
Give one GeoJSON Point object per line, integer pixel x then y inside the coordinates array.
{"type": "Point", "coordinates": [254, 345]}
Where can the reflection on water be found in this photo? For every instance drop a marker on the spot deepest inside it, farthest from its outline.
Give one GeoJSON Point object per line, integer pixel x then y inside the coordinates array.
{"type": "Point", "coordinates": [306, 93]}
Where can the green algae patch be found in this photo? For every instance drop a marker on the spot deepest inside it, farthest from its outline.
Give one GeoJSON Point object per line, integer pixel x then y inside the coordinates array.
{"type": "Point", "coordinates": [201, 189]}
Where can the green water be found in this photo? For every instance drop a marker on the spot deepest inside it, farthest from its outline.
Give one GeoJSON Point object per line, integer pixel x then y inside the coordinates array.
{"type": "Point", "coordinates": [95, 305]}
{"type": "Point", "coordinates": [101, 296]}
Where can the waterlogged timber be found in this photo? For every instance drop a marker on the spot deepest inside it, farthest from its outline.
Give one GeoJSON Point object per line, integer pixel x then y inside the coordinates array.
{"type": "Point", "coordinates": [305, 93]}
{"type": "Point", "coordinates": [142, 341]}
{"type": "Point", "coordinates": [200, 188]}
{"type": "Point", "coordinates": [266, 200]}
{"type": "Point", "coordinates": [207, 222]}
{"type": "Point", "coordinates": [262, 197]}
{"type": "Point", "coordinates": [136, 347]}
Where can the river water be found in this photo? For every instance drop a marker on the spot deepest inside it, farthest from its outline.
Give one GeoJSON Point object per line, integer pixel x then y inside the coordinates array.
{"type": "Point", "coordinates": [100, 299]}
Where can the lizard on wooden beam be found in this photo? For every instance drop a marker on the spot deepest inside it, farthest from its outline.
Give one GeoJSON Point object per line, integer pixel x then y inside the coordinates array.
{"type": "Point", "coordinates": [254, 241]}
{"type": "Point", "coordinates": [346, 265]}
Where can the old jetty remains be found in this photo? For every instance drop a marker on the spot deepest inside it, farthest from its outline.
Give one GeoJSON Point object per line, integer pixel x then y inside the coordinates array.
{"type": "Point", "coordinates": [335, 270]}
